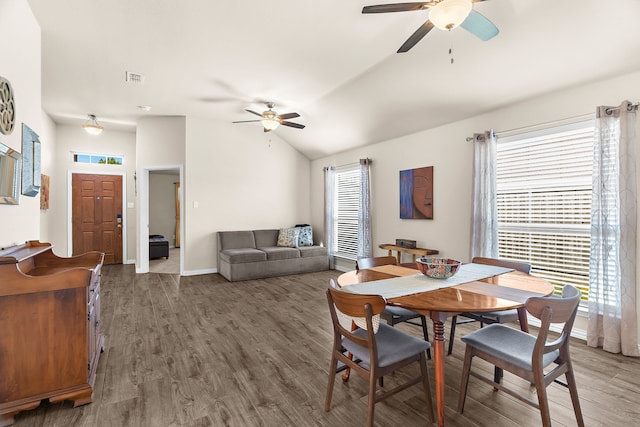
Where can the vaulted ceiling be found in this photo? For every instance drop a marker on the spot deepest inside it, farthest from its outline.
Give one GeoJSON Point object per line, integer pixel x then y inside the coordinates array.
{"type": "Point", "coordinates": [323, 59]}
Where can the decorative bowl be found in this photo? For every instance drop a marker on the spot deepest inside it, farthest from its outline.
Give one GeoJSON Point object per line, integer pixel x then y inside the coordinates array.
{"type": "Point", "coordinates": [438, 268]}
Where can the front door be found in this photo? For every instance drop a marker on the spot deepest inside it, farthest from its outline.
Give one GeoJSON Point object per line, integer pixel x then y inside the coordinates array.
{"type": "Point", "coordinates": [97, 215]}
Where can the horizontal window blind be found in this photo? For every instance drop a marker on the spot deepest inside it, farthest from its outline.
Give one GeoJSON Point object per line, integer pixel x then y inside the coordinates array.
{"type": "Point", "coordinates": [346, 212]}
{"type": "Point", "coordinates": [543, 182]}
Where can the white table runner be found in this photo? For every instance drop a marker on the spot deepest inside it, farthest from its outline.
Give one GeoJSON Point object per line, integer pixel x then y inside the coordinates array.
{"type": "Point", "coordinates": [416, 283]}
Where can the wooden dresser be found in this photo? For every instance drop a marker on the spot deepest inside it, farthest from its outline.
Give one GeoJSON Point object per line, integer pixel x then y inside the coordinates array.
{"type": "Point", "coordinates": [50, 338]}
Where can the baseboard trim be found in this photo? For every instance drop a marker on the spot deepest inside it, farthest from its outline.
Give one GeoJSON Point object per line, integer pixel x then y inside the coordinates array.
{"type": "Point", "coordinates": [199, 272]}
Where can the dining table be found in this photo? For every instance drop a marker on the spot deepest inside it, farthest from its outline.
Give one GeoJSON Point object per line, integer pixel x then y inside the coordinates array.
{"type": "Point", "coordinates": [474, 288]}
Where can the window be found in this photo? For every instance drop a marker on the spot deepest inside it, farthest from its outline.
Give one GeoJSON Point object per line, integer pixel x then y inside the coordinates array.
{"type": "Point", "coordinates": [543, 191]}
{"type": "Point", "coordinates": [346, 207]}
{"type": "Point", "coordinates": [98, 159]}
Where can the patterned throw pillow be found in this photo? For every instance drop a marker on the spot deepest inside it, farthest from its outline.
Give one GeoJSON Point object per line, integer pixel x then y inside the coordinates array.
{"type": "Point", "coordinates": [288, 237]}
{"type": "Point", "coordinates": [305, 237]}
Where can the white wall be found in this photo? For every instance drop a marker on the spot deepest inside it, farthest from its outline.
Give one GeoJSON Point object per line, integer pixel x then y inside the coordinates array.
{"type": "Point", "coordinates": [160, 144]}
{"type": "Point", "coordinates": [447, 150]}
{"type": "Point", "coordinates": [240, 178]}
{"type": "Point", "coordinates": [49, 147]}
{"type": "Point", "coordinates": [20, 64]}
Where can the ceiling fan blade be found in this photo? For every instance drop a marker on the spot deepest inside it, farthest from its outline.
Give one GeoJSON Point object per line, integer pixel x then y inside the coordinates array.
{"type": "Point", "coordinates": [288, 116]}
{"type": "Point", "coordinates": [253, 112]}
{"type": "Point", "coordinates": [247, 121]}
{"type": "Point", "coordinates": [397, 7]}
{"type": "Point", "coordinates": [266, 130]}
{"type": "Point", "coordinates": [480, 26]}
{"type": "Point", "coordinates": [293, 125]}
{"type": "Point", "coordinates": [416, 37]}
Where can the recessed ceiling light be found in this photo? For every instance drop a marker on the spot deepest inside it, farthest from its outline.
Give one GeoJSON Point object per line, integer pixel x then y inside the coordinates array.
{"type": "Point", "coordinates": [145, 107]}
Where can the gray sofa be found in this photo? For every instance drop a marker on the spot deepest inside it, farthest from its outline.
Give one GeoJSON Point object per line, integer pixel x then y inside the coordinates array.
{"type": "Point", "coordinates": [245, 255]}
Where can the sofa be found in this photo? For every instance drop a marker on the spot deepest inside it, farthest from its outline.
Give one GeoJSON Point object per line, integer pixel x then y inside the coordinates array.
{"type": "Point", "coordinates": [257, 254]}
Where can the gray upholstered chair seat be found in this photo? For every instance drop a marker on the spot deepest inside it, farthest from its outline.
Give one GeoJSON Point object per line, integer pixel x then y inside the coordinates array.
{"type": "Point", "coordinates": [393, 346]}
{"type": "Point", "coordinates": [504, 316]}
{"type": "Point", "coordinates": [399, 312]}
{"type": "Point", "coordinates": [539, 360]}
{"type": "Point", "coordinates": [508, 344]}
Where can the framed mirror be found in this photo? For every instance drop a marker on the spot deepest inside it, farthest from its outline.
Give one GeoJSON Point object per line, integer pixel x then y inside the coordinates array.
{"type": "Point", "coordinates": [9, 175]}
{"type": "Point", "coordinates": [30, 162]}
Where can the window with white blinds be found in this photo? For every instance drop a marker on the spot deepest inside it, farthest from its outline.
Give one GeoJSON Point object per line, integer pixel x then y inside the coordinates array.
{"type": "Point", "coordinates": [543, 184]}
{"type": "Point", "coordinates": [346, 212]}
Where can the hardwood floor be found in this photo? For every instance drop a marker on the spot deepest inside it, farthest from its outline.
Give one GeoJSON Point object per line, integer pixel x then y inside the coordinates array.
{"type": "Point", "coordinates": [201, 351]}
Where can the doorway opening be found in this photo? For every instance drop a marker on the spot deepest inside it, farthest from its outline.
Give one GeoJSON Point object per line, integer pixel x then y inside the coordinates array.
{"type": "Point", "coordinates": [160, 213]}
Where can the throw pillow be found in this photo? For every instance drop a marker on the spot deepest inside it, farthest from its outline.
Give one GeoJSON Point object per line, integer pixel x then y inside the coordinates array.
{"type": "Point", "coordinates": [288, 237]}
{"type": "Point", "coordinates": [305, 236]}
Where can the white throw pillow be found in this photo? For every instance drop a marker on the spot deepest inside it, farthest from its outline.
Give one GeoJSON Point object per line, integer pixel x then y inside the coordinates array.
{"type": "Point", "coordinates": [288, 237]}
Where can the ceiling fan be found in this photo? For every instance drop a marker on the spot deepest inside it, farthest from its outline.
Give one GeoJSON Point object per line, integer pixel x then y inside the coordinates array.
{"type": "Point", "coordinates": [443, 14]}
{"type": "Point", "coordinates": [271, 120]}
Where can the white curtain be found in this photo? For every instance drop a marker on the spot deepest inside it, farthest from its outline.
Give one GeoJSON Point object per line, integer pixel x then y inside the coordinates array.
{"type": "Point", "coordinates": [484, 222]}
{"type": "Point", "coordinates": [329, 209]}
{"type": "Point", "coordinates": [365, 249]}
{"type": "Point", "coordinates": [612, 275]}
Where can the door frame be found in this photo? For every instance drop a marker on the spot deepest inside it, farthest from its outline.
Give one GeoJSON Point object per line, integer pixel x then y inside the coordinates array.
{"type": "Point", "coordinates": [70, 208]}
{"type": "Point", "coordinates": [142, 265]}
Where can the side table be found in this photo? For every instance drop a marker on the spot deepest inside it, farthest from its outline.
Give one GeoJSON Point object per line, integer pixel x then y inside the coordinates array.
{"type": "Point", "coordinates": [412, 251]}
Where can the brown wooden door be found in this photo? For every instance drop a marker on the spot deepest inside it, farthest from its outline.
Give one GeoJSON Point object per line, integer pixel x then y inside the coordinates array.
{"type": "Point", "coordinates": [97, 215]}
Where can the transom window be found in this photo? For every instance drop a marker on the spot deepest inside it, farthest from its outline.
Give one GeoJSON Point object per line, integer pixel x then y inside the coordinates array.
{"type": "Point", "coordinates": [543, 182]}
{"type": "Point", "coordinates": [97, 159]}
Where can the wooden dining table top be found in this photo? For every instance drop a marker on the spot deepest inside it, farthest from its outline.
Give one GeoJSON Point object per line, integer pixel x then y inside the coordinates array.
{"type": "Point", "coordinates": [501, 292]}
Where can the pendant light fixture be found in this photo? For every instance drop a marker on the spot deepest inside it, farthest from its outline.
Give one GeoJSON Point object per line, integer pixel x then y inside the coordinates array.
{"type": "Point", "coordinates": [92, 127]}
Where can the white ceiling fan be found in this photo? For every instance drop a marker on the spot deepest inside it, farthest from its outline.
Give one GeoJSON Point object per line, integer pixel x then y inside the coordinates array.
{"type": "Point", "coordinates": [271, 120]}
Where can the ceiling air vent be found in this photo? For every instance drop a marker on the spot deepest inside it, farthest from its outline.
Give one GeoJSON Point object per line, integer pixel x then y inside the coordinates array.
{"type": "Point", "coordinates": [135, 78]}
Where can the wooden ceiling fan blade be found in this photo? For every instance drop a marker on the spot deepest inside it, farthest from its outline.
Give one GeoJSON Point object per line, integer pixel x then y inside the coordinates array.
{"type": "Point", "coordinates": [247, 121]}
{"type": "Point", "coordinates": [397, 7]}
{"type": "Point", "coordinates": [288, 116]}
{"type": "Point", "coordinates": [416, 37]}
{"type": "Point", "coordinates": [480, 26]}
{"type": "Point", "coordinates": [293, 125]}
{"type": "Point", "coordinates": [253, 112]}
{"type": "Point", "coordinates": [266, 130]}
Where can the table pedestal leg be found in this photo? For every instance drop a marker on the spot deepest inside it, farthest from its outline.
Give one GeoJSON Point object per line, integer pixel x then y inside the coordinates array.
{"type": "Point", "coordinates": [439, 319]}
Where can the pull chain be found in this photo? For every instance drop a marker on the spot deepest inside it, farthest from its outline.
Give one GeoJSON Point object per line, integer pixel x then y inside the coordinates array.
{"type": "Point", "coordinates": [451, 46]}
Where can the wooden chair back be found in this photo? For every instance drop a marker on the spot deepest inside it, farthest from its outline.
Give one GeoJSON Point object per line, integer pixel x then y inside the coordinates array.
{"type": "Point", "coordinates": [364, 263]}
{"type": "Point", "coordinates": [554, 310]}
{"type": "Point", "coordinates": [506, 263]}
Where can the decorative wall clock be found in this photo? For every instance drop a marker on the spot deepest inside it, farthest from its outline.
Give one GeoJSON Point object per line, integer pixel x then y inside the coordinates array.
{"type": "Point", "coordinates": [7, 107]}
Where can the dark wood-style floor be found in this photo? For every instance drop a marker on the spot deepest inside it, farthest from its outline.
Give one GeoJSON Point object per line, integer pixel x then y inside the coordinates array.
{"type": "Point", "coordinates": [200, 351]}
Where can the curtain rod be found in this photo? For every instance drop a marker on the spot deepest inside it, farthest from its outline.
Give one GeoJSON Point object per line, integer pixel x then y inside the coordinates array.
{"type": "Point", "coordinates": [630, 107]}
{"type": "Point", "coordinates": [346, 165]}
{"type": "Point", "coordinates": [558, 122]}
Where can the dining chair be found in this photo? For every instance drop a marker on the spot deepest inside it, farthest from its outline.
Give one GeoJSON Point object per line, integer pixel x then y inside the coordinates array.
{"type": "Point", "coordinates": [491, 316]}
{"type": "Point", "coordinates": [377, 349]}
{"type": "Point", "coordinates": [392, 314]}
{"type": "Point", "coordinates": [528, 356]}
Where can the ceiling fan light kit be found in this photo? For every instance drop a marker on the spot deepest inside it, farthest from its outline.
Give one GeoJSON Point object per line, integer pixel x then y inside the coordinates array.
{"type": "Point", "coordinates": [444, 15]}
{"type": "Point", "coordinates": [271, 120]}
{"type": "Point", "coordinates": [449, 14]}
